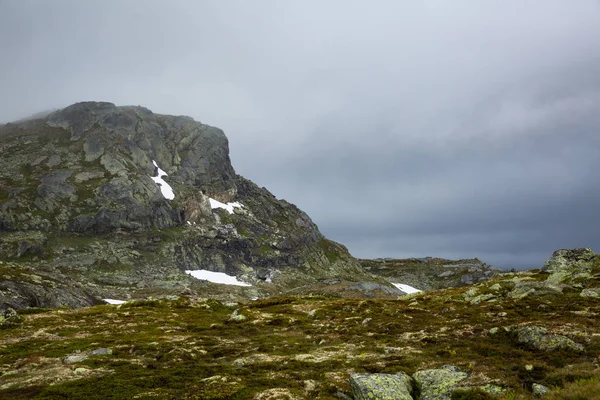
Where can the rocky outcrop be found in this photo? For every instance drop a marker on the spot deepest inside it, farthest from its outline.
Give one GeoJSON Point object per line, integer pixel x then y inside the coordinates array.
{"type": "Point", "coordinates": [567, 265]}
{"type": "Point", "coordinates": [88, 168]}
{"type": "Point", "coordinates": [381, 386]}
{"type": "Point", "coordinates": [537, 337]}
{"type": "Point", "coordinates": [430, 273]}
{"type": "Point", "coordinates": [428, 384]}
{"type": "Point", "coordinates": [438, 384]}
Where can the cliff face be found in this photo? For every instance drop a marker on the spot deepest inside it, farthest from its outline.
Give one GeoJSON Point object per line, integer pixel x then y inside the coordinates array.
{"type": "Point", "coordinates": [89, 167]}
{"type": "Point", "coordinates": [104, 201]}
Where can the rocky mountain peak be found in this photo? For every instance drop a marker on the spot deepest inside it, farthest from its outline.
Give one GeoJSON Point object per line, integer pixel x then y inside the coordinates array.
{"type": "Point", "coordinates": [89, 167]}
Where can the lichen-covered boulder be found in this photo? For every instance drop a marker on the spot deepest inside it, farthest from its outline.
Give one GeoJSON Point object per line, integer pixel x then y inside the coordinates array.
{"type": "Point", "coordinates": [381, 386]}
{"type": "Point", "coordinates": [593, 292]}
{"type": "Point", "coordinates": [539, 390]}
{"type": "Point", "coordinates": [438, 384]}
{"type": "Point", "coordinates": [9, 318]}
{"type": "Point", "coordinates": [525, 289]}
{"type": "Point", "coordinates": [567, 264]}
{"type": "Point", "coordinates": [537, 337]}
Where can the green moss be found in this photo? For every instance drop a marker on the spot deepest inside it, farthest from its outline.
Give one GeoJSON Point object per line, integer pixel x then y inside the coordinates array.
{"type": "Point", "coordinates": [184, 348]}
{"type": "Point", "coordinates": [331, 249]}
{"type": "Point", "coordinates": [471, 394]}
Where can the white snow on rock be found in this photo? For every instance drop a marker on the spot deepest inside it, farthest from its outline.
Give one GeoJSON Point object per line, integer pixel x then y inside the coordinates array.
{"type": "Point", "coordinates": [216, 277]}
{"type": "Point", "coordinates": [165, 188]}
{"type": "Point", "coordinates": [229, 206]}
{"type": "Point", "coordinates": [406, 288]}
{"type": "Point", "coordinates": [113, 301]}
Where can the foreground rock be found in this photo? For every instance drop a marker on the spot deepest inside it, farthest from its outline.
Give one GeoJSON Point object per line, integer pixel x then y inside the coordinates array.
{"type": "Point", "coordinates": [438, 384]}
{"type": "Point", "coordinates": [381, 386]}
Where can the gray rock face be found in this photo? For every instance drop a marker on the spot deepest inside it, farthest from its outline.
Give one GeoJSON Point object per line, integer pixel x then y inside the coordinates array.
{"type": "Point", "coordinates": [381, 386]}
{"type": "Point", "coordinates": [81, 218]}
{"type": "Point", "coordinates": [99, 159]}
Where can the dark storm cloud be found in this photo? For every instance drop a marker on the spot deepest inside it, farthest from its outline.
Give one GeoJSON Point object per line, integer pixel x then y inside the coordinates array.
{"type": "Point", "coordinates": [438, 128]}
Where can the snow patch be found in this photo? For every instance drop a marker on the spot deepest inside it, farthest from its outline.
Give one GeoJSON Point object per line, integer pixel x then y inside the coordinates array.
{"type": "Point", "coordinates": [406, 288]}
{"type": "Point", "coordinates": [165, 188]}
{"type": "Point", "coordinates": [113, 301]}
{"type": "Point", "coordinates": [229, 206]}
{"type": "Point", "coordinates": [216, 277]}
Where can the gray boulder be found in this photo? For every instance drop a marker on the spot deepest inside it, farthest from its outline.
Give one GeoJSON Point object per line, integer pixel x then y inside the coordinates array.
{"type": "Point", "coordinates": [565, 265]}
{"type": "Point", "coordinates": [381, 386]}
{"type": "Point", "coordinates": [539, 390]}
{"type": "Point", "coordinates": [592, 292]}
{"type": "Point", "coordinates": [537, 337]}
{"type": "Point", "coordinates": [438, 384]}
{"type": "Point", "coordinates": [9, 318]}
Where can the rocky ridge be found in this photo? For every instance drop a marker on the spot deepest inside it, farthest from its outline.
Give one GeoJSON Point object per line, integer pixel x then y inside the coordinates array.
{"type": "Point", "coordinates": [81, 217]}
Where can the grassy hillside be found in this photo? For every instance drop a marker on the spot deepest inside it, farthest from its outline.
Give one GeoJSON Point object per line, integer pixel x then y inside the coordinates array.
{"type": "Point", "coordinates": [301, 347]}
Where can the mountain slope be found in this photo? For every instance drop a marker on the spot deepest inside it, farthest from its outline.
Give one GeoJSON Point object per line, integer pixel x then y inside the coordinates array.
{"type": "Point", "coordinates": [84, 216]}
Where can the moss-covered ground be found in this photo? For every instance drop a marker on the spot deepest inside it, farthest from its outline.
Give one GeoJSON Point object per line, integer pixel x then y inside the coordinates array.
{"type": "Point", "coordinates": [293, 347]}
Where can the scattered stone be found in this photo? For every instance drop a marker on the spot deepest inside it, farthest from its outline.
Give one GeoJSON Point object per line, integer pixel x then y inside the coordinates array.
{"type": "Point", "coordinates": [520, 292]}
{"type": "Point", "coordinates": [594, 292]}
{"type": "Point", "coordinates": [236, 316]}
{"type": "Point", "coordinates": [9, 318]}
{"type": "Point", "coordinates": [481, 298]}
{"type": "Point", "coordinates": [536, 337]}
{"type": "Point", "coordinates": [75, 358]}
{"type": "Point", "coordinates": [101, 352]}
{"type": "Point", "coordinates": [366, 321]}
{"type": "Point", "coordinates": [240, 362]}
{"type": "Point", "coordinates": [381, 386]}
{"type": "Point", "coordinates": [539, 390]}
{"type": "Point", "coordinates": [438, 384]}
{"type": "Point", "coordinates": [80, 371]}
{"type": "Point", "coordinates": [492, 389]}
{"type": "Point", "coordinates": [493, 331]}
{"type": "Point", "coordinates": [390, 349]}
{"type": "Point", "coordinates": [496, 287]}
{"type": "Point", "coordinates": [524, 289]}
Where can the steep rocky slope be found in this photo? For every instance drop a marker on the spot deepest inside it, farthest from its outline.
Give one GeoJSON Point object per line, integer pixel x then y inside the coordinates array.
{"type": "Point", "coordinates": [510, 337]}
{"type": "Point", "coordinates": [84, 214]}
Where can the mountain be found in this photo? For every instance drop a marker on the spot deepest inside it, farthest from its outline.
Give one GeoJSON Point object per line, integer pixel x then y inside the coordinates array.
{"type": "Point", "coordinates": [99, 201]}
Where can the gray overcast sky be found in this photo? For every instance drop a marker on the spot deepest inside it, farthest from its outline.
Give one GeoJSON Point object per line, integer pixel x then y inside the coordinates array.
{"type": "Point", "coordinates": [403, 128]}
